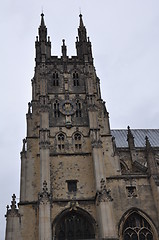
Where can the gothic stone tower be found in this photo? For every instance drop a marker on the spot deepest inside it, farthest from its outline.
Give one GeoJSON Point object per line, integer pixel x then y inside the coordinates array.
{"type": "Point", "coordinates": [79, 179]}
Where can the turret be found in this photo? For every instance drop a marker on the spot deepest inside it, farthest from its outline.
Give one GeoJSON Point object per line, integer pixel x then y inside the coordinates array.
{"type": "Point", "coordinates": [13, 221]}
{"type": "Point", "coordinates": [42, 44]}
{"type": "Point", "coordinates": [83, 44]}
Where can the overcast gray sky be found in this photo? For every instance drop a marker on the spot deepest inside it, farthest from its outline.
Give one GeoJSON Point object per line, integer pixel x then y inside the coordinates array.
{"type": "Point", "coordinates": [125, 40]}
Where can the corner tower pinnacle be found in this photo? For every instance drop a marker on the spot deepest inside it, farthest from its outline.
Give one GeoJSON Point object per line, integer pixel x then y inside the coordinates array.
{"type": "Point", "coordinates": [42, 30]}
{"type": "Point", "coordinates": [42, 44]}
{"type": "Point", "coordinates": [83, 44]}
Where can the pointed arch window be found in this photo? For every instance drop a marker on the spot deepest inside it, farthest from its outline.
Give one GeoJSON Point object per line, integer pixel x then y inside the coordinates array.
{"type": "Point", "coordinates": [78, 141]}
{"type": "Point", "coordinates": [74, 226]}
{"type": "Point", "coordinates": [55, 78]}
{"type": "Point", "coordinates": [78, 109]}
{"type": "Point", "coordinates": [75, 79]}
{"type": "Point", "coordinates": [137, 228]}
{"type": "Point", "coordinates": [61, 141]}
{"type": "Point", "coordinates": [56, 109]}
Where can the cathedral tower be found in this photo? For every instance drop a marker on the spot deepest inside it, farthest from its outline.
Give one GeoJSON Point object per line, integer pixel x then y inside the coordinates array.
{"type": "Point", "coordinates": [79, 179]}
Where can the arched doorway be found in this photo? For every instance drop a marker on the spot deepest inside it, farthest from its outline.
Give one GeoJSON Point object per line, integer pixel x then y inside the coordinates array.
{"type": "Point", "coordinates": [136, 227]}
{"type": "Point", "coordinates": [74, 225]}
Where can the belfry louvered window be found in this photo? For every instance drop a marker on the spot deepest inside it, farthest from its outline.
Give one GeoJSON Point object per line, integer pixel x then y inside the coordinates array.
{"type": "Point", "coordinates": [56, 109]}
{"type": "Point", "coordinates": [61, 141]}
{"type": "Point", "coordinates": [77, 141]}
{"type": "Point", "coordinates": [137, 228]}
{"type": "Point", "coordinates": [78, 109]}
{"type": "Point", "coordinates": [55, 78]}
{"type": "Point", "coordinates": [75, 79]}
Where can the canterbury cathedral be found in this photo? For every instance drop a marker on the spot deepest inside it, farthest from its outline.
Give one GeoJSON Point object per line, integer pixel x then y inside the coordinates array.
{"type": "Point", "coordinates": [79, 178]}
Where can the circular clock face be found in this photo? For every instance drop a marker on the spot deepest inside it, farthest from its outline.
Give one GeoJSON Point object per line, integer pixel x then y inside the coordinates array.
{"type": "Point", "coordinates": [67, 107]}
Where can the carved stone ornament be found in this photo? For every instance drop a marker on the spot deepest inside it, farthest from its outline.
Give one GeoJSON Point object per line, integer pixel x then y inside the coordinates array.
{"type": "Point", "coordinates": [67, 107]}
{"type": "Point", "coordinates": [44, 196]}
{"type": "Point", "coordinates": [103, 195]}
{"type": "Point", "coordinates": [12, 211]}
{"type": "Point", "coordinates": [73, 205]}
{"type": "Point", "coordinates": [96, 144]}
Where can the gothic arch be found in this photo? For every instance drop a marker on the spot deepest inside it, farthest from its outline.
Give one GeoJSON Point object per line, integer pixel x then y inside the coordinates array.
{"type": "Point", "coordinates": [61, 141]}
{"type": "Point", "coordinates": [74, 224]}
{"type": "Point", "coordinates": [136, 225]}
{"type": "Point", "coordinates": [77, 140]}
{"type": "Point", "coordinates": [123, 166]}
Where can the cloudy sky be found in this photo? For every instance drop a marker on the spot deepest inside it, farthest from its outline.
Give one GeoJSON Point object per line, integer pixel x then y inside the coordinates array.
{"type": "Point", "coordinates": [125, 39]}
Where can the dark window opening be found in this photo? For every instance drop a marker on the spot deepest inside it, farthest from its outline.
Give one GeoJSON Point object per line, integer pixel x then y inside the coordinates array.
{"type": "Point", "coordinates": [55, 79]}
{"type": "Point", "coordinates": [74, 226]}
{"type": "Point", "coordinates": [56, 109]}
{"type": "Point", "coordinates": [78, 109]}
{"type": "Point", "coordinates": [75, 79]}
{"type": "Point", "coordinates": [72, 185]}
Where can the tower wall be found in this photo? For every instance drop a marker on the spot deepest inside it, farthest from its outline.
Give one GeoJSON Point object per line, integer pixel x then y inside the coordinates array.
{"type": "Point", "coordinates": [77, 180]}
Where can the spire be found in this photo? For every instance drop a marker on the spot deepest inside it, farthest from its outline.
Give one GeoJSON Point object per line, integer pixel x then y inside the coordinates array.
{"type": "Point", "coordinates": [82, 33]}
{"type": "Point", "coordinates": [42, 20]}
{"type": "Point", "coordinates": [42, 30]}
{"type": "Point", "coordinates": [83, 44]}
{"type": "Point", "coordinates": [42, 44]}
{"type": "Point", "coordinates": [81, 20]}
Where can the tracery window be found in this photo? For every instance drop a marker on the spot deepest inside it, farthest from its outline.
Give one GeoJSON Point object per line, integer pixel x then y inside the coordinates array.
{"type": "Point", "coordinates": [75, 79]}
{"type": "Point", "coordinates": [74, 226]}
{"type": "Point", "coordinates": [78, 109]}
{"type": "Point", "coordinates": [137, 228]}
{"type": "Point", "coordinates": [55, 79]}
{"type": "Point", "coordinates": [61, 141]}
{"type": "Point", "coordinates": [56, 109]}
{"type": "Point", "coordinates": [77, 141]}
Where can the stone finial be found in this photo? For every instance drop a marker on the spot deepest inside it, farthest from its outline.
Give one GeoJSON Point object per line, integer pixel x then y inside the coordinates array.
{"type": "Point", "coordinates": [7, 207]}
{"type": "Point", "coordinates": [81, 20]}
{"type": "Point", "coordinates": [103, 185]}
{"type": "Point", "coordinates": [130, 138]}
{"type": "Point", "coordinates": [24, 145]}
{"type": "Point", "coordinates": [44, 196]}
{"type": "Point", "coordinates": [29, 108]}
{"type": "Point", "coordinates": [13, 202]}
{"type": "Point", "coordinates": [129, 135]}
{"type": "Point", "coordinates": [45, 189]}
{"type": "Point", "coordinates": [147, 142]}
{"type": "Point", "coordinates": [42, 20]}
{"type": "Point", "coordinates": [64, 48]}
{"type": "Point", "coordinates": [12, 211]}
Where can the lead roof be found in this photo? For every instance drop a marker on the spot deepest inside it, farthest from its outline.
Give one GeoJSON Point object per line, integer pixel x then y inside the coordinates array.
{"type": "Point", "coordinates": [139, 137]}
